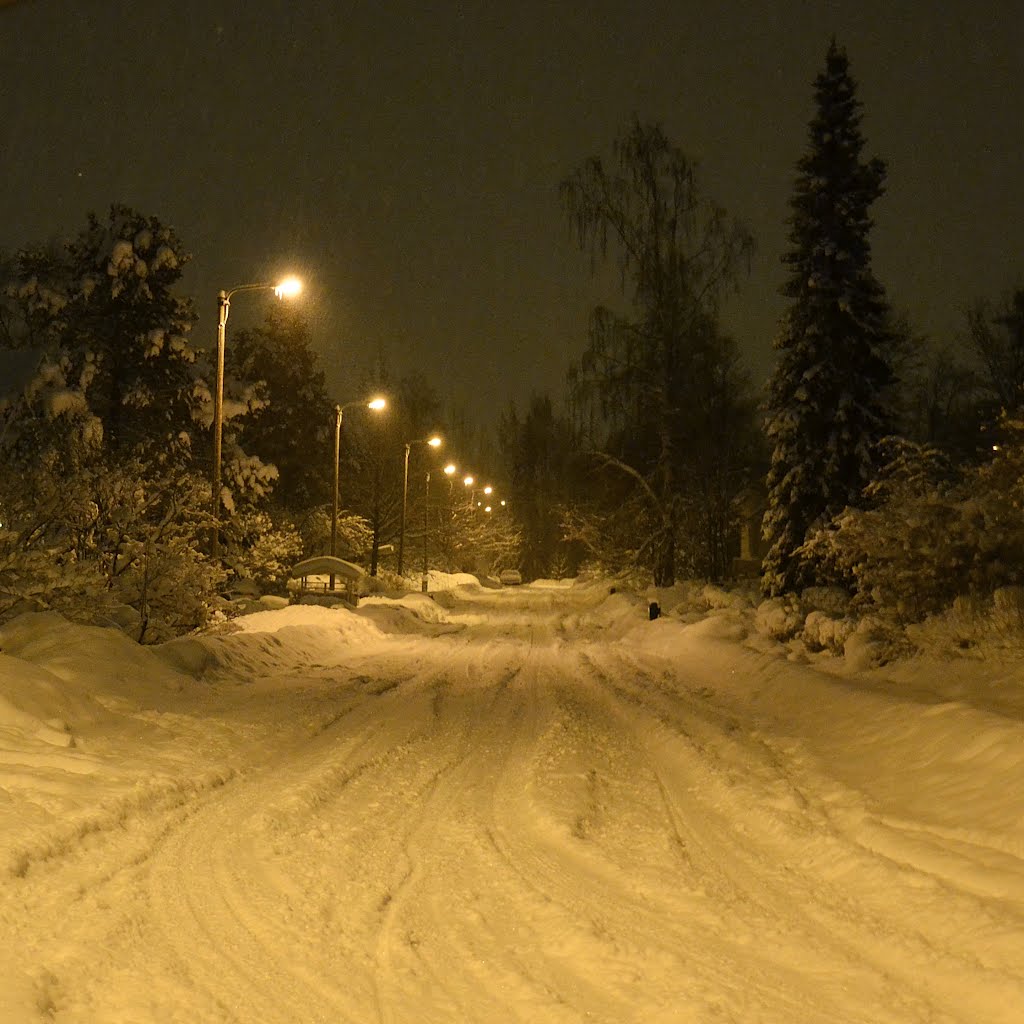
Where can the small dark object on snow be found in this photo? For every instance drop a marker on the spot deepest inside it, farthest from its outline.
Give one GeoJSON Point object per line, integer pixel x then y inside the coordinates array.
{"type": "Point", "coordinates": [654, 610]}
{"type": "Point", "coordinates": [611, 590]}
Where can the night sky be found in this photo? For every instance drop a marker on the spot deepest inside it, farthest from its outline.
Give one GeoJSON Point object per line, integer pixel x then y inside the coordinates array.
{"type": "Point", "coordinates": [405, 157]}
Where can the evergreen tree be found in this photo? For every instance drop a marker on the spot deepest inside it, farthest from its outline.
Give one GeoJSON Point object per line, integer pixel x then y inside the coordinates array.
{"type": "Point", "coordinates": [103, 307]}
{"type": "Point", "coordinates": [105, 506]}
{"type": "Point", "coordinates": [537, 452]}
{"type": "Point", "coordinates": [290, 424]}
{"type": "Point", "coordinates": [996, 336]}
{"type": "Point", "coordinates": [830, 397]}
{"type": "Point", "coordinates": [88, 536]}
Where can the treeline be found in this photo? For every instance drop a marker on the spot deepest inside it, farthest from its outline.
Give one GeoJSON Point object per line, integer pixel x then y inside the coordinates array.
{"type": "Point", "coordinates": [888, 466]}
{"type": "Point", "coordinates": [105, 479]}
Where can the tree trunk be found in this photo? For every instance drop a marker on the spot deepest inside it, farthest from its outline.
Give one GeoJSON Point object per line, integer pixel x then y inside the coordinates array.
{"type": "Point", "coordinates": [664, 566]}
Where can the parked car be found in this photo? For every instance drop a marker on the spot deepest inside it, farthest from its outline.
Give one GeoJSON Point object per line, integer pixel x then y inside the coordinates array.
{"type": "Point", "coordinates": [510, 577]}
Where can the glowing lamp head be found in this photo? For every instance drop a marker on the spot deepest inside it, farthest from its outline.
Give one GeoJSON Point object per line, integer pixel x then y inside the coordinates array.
{"type": "Point", "coordinates": [377, 404]}
{"type": "Point", "coordinates": [488, 490]}
{"type": "Point", "coordinates": [450, 468]}
{"type": "Point", "coordinates": [468, 481]}
{"type": "Point", "coordinates": [288, 288]}
{"type": "Point", "coordinates": [434, 442]}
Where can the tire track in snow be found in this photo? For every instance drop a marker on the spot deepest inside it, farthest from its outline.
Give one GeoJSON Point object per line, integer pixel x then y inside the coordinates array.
{"type": "Point", "coordinates": [512, 823]}
{"type": "Point", "coordinates": [771, 822]}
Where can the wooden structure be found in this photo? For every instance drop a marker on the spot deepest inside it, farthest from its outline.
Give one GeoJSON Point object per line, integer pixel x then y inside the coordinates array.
{"type": "Point", "coordinates": [346, 577]}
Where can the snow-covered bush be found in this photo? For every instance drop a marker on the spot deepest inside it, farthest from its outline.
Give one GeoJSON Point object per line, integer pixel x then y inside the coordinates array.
{"type": "Point", "coordinates": [874, 642]}
{"type": "Point", "coordinates": [355, 535]}
{"type": "Point", "coordinates": [974, 626]}
{"type": "Point", "coordinates": [385, 582]}
{"type": "Point", "coordinates": [821, 632]}
{"type": "Point", "coordinates": [263, 549]}
{"type": "Point", "coordinates": [718, 597]}
{"type": "Point", "coordinates": [1008, 609]}
{"type": "Point", "coordinates": [88, 531]}
{"type": "Point", "coordinates": [86, 539]}
{"type": "Point", "coordinates": [779, 618]}
{"type": "Point", "coordinates": [833, 601]}
{"type": "Point", "coordinates": [930, 537]}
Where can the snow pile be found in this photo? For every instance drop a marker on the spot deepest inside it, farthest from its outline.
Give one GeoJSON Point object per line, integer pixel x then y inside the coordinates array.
{"type": "Point", "coordinates": [266, 642]}
{"type": "Point", "coordinates": [543, 584]}
{"type": "Point", "coordinates": [74, 700]}
{"type": "Point", "coordinates": [96, 729]}
{"type": "Point", "coordinates": [413, 613]}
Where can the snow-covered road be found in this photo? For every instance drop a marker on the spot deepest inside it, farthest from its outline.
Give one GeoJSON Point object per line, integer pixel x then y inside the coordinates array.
{"type": "Point", "coordinates": [521, 805]}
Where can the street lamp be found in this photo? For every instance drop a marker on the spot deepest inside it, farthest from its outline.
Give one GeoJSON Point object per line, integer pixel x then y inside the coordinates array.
{"type": "Point", "coordinates": [376, 404]}
{"type": "Point", "coordinates": [449, 469]}
{"type": "Point", "coordinates": [286, 289]}
{"type": "Point", "coordinates": [446, 535]}
{"type": "Point", "coordinates": [433, 442]}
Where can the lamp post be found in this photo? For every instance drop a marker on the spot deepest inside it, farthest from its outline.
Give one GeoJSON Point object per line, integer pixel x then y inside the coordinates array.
{"type": "Point", "coordinates": [446, 534]}
{"type": "Point", "coordinates": [376, 404]}
{"type": "Point", "coordinates": [286, 289]}
{"type": "Point", "coordinates": [434, 442]}
{"type": "Point", "coordinates": [426, 530]}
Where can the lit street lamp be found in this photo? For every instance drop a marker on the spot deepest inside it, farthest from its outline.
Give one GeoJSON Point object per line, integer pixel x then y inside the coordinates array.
{"type": "Point", "coordinates": [286, 289]}
{"type": "Point", "coordinates": [376, 404]}
{"type": "Point", "coordinates": [446, 535]}
{"type": "Point", "coordinates": [434, 442]}
{"type": "Point", "coordinates": [449, 469]}
{"type": "Point", "coordinates": [426, 530]}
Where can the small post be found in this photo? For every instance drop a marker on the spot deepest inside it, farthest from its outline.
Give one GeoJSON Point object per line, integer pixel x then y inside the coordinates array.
{"type": "Point", "coordinates": [337, 462]}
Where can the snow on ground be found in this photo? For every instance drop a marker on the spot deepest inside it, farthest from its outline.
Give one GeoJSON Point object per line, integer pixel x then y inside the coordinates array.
{"type": "Point", "coordinates": [525, 804]}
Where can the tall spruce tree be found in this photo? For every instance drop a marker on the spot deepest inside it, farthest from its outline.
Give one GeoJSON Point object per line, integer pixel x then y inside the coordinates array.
{"type": "Point", "coordinates": [830, 398]}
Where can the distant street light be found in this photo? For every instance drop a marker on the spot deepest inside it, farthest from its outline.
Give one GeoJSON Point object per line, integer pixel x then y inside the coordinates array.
{"type": "Point", "coordinates": [376, 404]}
{"type": "Point", "coordinates": [286, 289]}
{"type": "Point", "coordinates": [433, 442]}
{"type": "Point", "coordinates": [449, 469]}
{"type": "Point", "coordinates": [426, 531]}
{"type": "Point", "coordinates": [446, 535]}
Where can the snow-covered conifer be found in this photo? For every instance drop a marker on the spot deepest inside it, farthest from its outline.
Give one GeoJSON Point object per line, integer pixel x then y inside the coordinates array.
{"type": "Point", "coordinates": [105, 304]}
{"type": "Point", "coordinates": [829, 399]}
{"type": "Point", "coordinates": [291, 426]}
